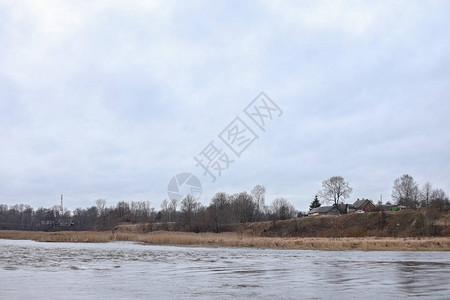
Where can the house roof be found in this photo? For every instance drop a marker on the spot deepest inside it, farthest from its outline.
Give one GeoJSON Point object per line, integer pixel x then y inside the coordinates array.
{"type": "Point", "coordinates": [359, 202]}
{"type": "Point", "coordinates": [322, 209]}
{"type": "Point", "coordinates": [344, 205]}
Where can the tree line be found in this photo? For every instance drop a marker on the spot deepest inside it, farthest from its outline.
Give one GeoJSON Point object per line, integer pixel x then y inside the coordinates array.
{"type": "Point", "coordinates": [222, 212]}
{"type": "Point", "coordinates": [405, 192]}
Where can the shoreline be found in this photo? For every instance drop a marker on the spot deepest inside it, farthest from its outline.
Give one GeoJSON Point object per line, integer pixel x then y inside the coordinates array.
{"type": "Point", "coordinates": [233, 239]}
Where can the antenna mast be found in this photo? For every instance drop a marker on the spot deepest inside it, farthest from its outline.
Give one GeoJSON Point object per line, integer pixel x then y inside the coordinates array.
{"type": "Point", "coordinates": [62, 208]}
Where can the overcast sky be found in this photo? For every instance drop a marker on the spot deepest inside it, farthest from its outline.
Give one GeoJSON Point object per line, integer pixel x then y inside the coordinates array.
{"type": "Point", "coordinates": [110, 99]}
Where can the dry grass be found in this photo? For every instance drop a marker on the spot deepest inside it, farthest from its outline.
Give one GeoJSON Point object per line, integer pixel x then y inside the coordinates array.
{"type": "Point", "coordinates": [238, 240]}
{"type": "Point", "coordinates": [61, 236]}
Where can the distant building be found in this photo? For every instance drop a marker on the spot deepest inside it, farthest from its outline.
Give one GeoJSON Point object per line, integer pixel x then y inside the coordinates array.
{"type": "Point", "coordinates": [345, 208]}
{"type": "Point", "coordinates": [386, 207]}
{"type": "Point", "coordinates": [364, 205]}
{"type": "Point", "coordinates": [324, 210]}
{"type": "Point", "coordinates": [391, 207]}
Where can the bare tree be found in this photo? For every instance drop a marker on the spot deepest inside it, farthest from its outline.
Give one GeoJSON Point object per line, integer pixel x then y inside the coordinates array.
{"type": "Point", "coordinates": [173, 209]}
{"type": "Point", "coordinates": [425, 194]}
{"type": "Point", "coordinates": [148, 211]}
{"type": "Point", "coordinates": [219, 210]}
{"type": "Point", "coordinates": [259, 196]}
{"type": "Point", "coordinates": [123, 209]}
{"type": "Point", "coordinates": [141, 211]}
{"type": "Point", "coordinates": [165, 210]}
{"type": "Point", "coordinates": [243, 207]}
{"type": "Point", "coordinates": [334, 189]}
{"type": "Point", "coordinates": [101, 220]}
{"type": "Point", "coordinates": [405, 191]}
{"type": "Point", "coordinates": [101, 205]}
{"type": "Point", "coordinates": [188, 208]}
{"type": "Point", "coordinates": [440, 199]}
{"type": "Point", "coordinates": [282, 209]}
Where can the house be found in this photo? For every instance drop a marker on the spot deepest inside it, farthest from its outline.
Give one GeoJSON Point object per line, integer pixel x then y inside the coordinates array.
{"type": "Point", "coordinates": [386, 207]}
{"type": "Point", "coordinates": [399, 207]}
{"type": "Point", "coordinates": [346, 208]}
{"type": "Point", "coordinates": [324, 210]}
{"type": "Point", "coordinates": [364, 205]}
{"type": "Point", "coordinates": [391, 207]}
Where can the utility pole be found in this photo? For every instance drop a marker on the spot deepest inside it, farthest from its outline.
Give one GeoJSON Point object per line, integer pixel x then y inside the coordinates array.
{"type": "Point", "coordinates": [62, 208]}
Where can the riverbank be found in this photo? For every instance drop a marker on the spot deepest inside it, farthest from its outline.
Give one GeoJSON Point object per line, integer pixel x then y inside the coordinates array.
{"type": "Point", "coordinates": [401, 224]}
{"type": "Point", "coordinates": [238, 240]}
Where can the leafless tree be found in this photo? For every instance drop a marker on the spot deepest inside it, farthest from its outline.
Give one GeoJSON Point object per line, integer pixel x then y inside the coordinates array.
{"type": "Point", "coordinates": [173, 209]}
{"type": "Point", "coordinates": [219, 210]}
{"type": "Point", "coordinates": [165, 210]}
{"type": "Point", "coordinates": [440, 199]}
{"type": "Point", "coordinates": [243, 207]}
{"type": "Point", "coordinates": [334, 189]}
{"type": "Point", "coordinates": [282, 209]}
{"type": "Point", "coordinates": [123, 209]}
{"type": "Point", "coordinates": [425, 194]}
{"type": "Point", "coordinates": [141, 211]}
{"type": "Point", "coordinates": [148, 211]}
{"type": "Point", "coordinates": [405, 191]}
{"type": "Point", "coordinates": [101, 205]}
{"type": "Point", "coordinates": [259, 196]}
{"type": "Point", "coordinates": [188, 208]}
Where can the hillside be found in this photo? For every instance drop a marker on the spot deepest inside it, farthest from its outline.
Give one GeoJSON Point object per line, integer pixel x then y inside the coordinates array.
{"type": "Point", "coordinates": [406, 223]}
{"type": "Point", "coordinates": [388, 224]}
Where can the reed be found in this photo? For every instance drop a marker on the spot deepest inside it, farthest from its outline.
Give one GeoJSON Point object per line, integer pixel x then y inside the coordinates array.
{"type": "Point", "coordinates": [239, 240]}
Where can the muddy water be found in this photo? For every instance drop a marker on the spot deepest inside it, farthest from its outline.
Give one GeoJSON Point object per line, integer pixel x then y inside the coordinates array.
{"type": "Point", "coordinates": [32, 270]}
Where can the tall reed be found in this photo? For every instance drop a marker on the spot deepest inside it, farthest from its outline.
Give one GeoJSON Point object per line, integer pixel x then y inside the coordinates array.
{"type": "Point", "coordinates": [239, 240]}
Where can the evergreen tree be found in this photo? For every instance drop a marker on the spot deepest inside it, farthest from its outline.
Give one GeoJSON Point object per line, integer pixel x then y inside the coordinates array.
{"type": "Point", "coordinates": [315, 203]}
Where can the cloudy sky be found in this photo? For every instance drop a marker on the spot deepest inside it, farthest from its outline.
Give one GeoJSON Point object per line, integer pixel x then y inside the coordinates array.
{"type": "Point", "coordinates": [111, 99]}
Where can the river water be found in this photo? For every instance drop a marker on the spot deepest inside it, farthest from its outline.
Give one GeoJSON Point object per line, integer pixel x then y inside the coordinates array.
{"type": "Point", "coordinates": [122, 270]}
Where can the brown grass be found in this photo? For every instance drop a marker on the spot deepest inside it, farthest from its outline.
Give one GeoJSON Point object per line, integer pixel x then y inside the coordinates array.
{"type": "Point", "coordinates": [240, 240]}
{"type": "Point", "coordinates": [408, 223]}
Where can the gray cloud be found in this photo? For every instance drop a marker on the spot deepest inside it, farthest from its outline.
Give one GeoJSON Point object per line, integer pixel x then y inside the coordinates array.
{"type": "Point", "coordinates": [112, 100]}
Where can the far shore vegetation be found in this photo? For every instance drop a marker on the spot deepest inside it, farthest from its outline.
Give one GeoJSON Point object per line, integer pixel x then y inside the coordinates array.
{"type": "Point", "coordinates": [417, 220]}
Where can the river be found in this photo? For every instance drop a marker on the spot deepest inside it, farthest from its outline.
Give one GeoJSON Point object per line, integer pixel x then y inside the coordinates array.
{"type": "Point", "coordinates": [122, 270]}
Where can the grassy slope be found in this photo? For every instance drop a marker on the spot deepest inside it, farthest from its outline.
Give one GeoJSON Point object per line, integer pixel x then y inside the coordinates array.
{"type": "Point", "coordinates": [392, 224]}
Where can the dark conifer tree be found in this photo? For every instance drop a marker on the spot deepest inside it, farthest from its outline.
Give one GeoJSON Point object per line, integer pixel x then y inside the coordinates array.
{"type": "Point", "coordinates": [315, 203]}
